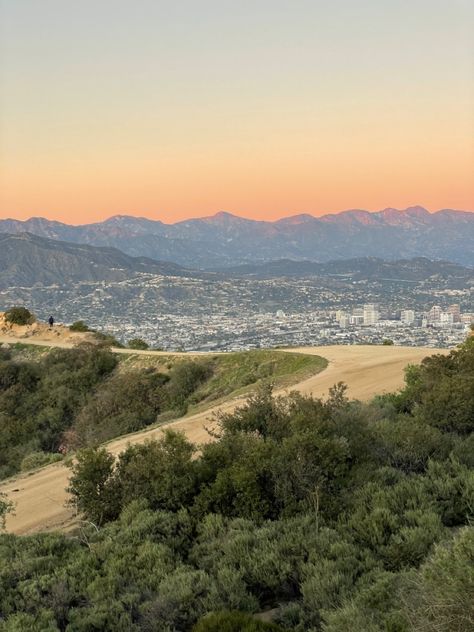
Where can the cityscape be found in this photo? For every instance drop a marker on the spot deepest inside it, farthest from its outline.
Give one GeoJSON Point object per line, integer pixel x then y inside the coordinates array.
{"type": "Point", "coordinates": [364, 325]}
{"type": "Point", "coordinates": [232, 314]}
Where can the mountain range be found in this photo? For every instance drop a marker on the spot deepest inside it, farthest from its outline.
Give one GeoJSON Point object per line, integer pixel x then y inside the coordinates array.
{"type": "Point", "coordinates": [225, 240]}
{"type": "Point", "coordinates": [28, 261]}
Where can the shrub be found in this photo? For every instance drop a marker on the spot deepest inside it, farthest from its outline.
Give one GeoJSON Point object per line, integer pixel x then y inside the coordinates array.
{"type": "Point", "coordinates": [138, 344]}
{"type": "Point", "coordinates": [107, 340]}
{"type": "Point", "coordinates": [184, 380]}
{"type": "Point", "coordinates": [6, 506]}
{"type": "Point", "coordinates": [79, 326]}
{"type": "Point", "coordinates": [441, 594]}
{"type": "Point", "coordinates": [91, 485]}
{"type": "Point", "coordinates": [124, 403]}
{"type": "Point", "coordinates": [19, 316]}
{"type": "Point", "coordinates": [34, 460]}
{"type": "Point", "coordinates": [233, 622]}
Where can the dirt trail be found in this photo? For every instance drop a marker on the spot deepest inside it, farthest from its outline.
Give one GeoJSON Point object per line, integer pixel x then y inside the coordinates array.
{"type": "Point", "coordinates": [40, 496]}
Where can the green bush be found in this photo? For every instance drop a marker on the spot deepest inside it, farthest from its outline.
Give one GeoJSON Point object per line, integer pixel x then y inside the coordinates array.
{"type": "Point", "coordinates": [91, 485]}
{"type": "Point", "coordinates": [6, 506]}
{"type": "Point", "coordinates": [440, 596]}
{"type": "Point", "coordinates": [234, 622]}
{"type": "Point", "coordinates": [34, 460]}
{"type": "Point", "coordinates": [127, 402]}
{"type": "Point", "coordinates": [79, 326]}
{"type": "Point", "coordinates": [329, 515]}
{"type": "Point", "coordinates": [107, 340]}
{"type": "Point", "coordinates": [39, 400]}
{"type": "Point", "coordinates": [19, 316]}
{"type": "Point", "coordinates": [138, 344]}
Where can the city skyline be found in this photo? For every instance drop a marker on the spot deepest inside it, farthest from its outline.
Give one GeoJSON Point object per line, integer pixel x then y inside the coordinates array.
{"type": "Point", "coordinates": [264, 110]}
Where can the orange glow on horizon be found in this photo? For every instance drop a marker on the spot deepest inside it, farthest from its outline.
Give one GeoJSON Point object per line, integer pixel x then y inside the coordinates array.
{"type": "Point", "coordinates": [182, 110]}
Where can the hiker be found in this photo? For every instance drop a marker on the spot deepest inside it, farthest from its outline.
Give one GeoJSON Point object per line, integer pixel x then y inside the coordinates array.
{"type": "Point", "coordinates": [51, 321]}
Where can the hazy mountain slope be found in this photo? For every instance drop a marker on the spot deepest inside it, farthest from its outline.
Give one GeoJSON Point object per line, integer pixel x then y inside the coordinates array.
{"type": "Point", "coordinates": [416, 269]}
{"type": "Point", "coordinates": [227, 240]}
{"type": "Point", "coordinates": [27, 260]}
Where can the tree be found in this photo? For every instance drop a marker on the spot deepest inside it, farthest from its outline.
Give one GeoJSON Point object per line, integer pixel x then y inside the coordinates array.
{"type": "Point", "coordinates": [6, 507]}
{"type": "Point", "coordinates": [92, 485]}
{"type": "Point", "coordinates": [107, 340]}
{"type": "Point", "coordinates": [19, 316]}
{"type": "Point", "coordinates": [138, 344]}
{"type": "Point", "coordinates": [162, 472]}
{"type": "Point", "coordinates": [79, 326]}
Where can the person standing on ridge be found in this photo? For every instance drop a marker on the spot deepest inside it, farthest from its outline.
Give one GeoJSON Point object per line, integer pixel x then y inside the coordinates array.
{"type": "Point", "coordinates": [51, 321]}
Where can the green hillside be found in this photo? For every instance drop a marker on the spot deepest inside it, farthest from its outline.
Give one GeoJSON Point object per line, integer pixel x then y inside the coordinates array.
{"type": "Point", "coordinates": [316, 515]}
{"type": "Point", "coordinates": [54, 401]}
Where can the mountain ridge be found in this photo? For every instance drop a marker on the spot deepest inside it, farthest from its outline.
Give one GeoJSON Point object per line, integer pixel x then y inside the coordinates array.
{"type": "Point", "coordinates": [224, 239]}
{"type": "Point", "coordinates": [27, 260]}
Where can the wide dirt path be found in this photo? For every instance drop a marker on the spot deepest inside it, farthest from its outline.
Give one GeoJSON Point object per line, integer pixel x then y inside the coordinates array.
{"type": "Point", "coordinates": [40, 496]}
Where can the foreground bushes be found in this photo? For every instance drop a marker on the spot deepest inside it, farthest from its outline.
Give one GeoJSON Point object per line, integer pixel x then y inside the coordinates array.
{"type": "Point", "coordinates": [233, 622]}
{"type": "Point", "coordinates": [329, 515]}
{"type": "Point", "coordinates": [72, 398]}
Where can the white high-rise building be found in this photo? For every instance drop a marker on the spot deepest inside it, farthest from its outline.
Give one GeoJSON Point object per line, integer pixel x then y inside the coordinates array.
{"type": "Point", "coordinates": [371, 314]}
{"type": "Point", "coordinates": [344, 321]}
{"type": "Point", "coordinates": [446, 318]}
{"type": "Point", "coordinates": [407, 316]}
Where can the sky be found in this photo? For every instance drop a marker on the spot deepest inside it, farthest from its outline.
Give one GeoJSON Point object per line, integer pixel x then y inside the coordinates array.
{"type": "Point", "coordinates": [262, 108]}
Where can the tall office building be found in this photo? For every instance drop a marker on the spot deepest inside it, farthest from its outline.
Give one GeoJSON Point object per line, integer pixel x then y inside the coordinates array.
{"type": "Point", "coordinates": [434, 315]}
{"type": "Point", "coordinates": [371, 314]}
{"type": "Point", "coordinates": [455, 310]}
{"type": "Point", "coordinates": [407, 316]}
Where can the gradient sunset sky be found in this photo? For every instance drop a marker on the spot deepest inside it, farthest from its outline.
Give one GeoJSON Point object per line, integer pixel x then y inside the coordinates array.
{"type": "Point", "coordinates": [262, 108]}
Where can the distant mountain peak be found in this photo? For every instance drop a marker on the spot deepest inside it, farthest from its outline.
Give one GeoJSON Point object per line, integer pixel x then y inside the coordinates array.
{"type": "Point", "coordinates": [294, 220]}
{"type": "Point", "coordinates": [126, 220]}
{"type": "Point", "coordinates": [417, 210]}
{"type": "Point", "coordinates": [224, 217]}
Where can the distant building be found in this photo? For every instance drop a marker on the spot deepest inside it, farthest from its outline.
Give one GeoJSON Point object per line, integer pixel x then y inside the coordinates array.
{"type": "Point", "coordinates": [455, 310]}
{"type": "Point", "coordinates": [446, 318]}
{"type": "Point", "coordinates": [344, 321]}
{"type": "Point", "coordinates": [434, 315]}
{"type": "Point", "coordinates": [371, 314]}
{"type": "Point", "coordinates": [407, 316]}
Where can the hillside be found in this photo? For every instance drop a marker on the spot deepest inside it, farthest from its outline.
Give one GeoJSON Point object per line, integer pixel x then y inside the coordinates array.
{"type": "Point", "coordinates": [40, 333]}
{"type": "Point", "coordinates": [363, 268]}
{"type": "Point", "coordinates": [27, 260]}
{"type": "Point", "coordinates": [226, 240]}
{"type": "Point", "coordinates": [314, 514]}
{"type": "Point", "coordinates": [366, 370]}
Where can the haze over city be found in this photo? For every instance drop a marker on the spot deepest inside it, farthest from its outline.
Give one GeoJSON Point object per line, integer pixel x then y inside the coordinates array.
{"type": "Point", "coordinates": [264, 109]}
